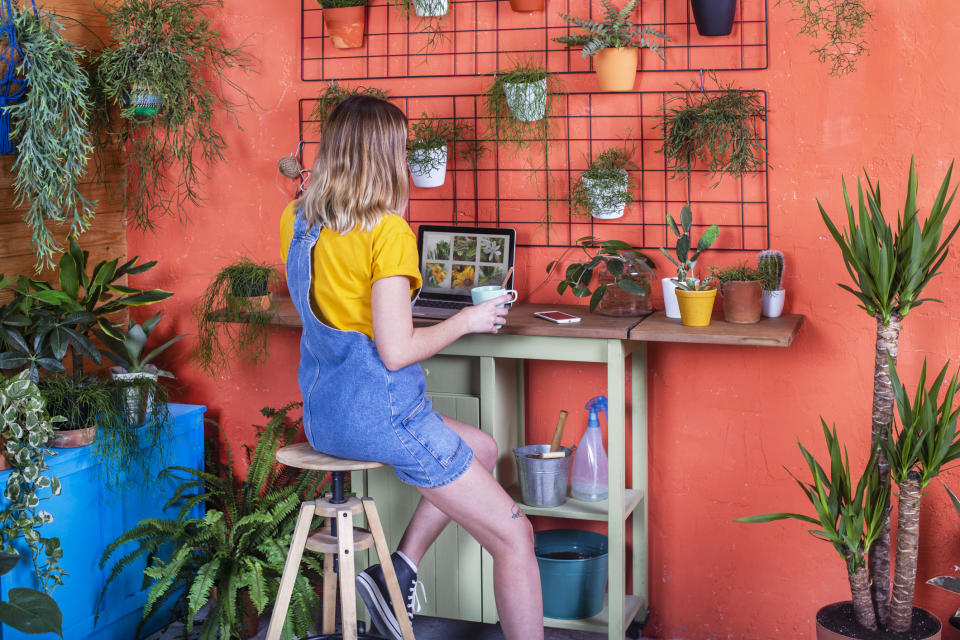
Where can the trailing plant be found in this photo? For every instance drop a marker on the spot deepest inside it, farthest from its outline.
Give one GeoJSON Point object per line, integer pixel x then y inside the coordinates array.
{"type": "Point", "coordinates": [50, 131]}
{"type": "Point", "coordinates": [614, 31]}
{"type": "Point", "coordinates": [432, 132]}
{"type": "Point", "coordinates": [228, 323]}
{"type": "Point", "coordinates": [614, 255]}
{"type": "Point", "coordinates": [770, 264]}
{"type": "Point", "coordinates": [843, 23]}
{"type": "Point", "coordinates": [736, 273]}
{"type": "Point", "coordinates": [127, 350]}
{"type": "Point", "coordinates": [170, 48]}
{"type": "Point", "coordinates": [82, 404]}
{"type": "Point", "coordinates": [612, 183]}
{"type": "Point", "coordinates": [503, 123]}
{"type": "Point", "coordinates": [890, 269]}
{"type": "Point", "coordinates": [239, 545]}
{"type": "Point", "coordinates": [950, 583]}
{"type": "Point", "coordinates": [718, 129]}
{"type": "Point", "coordinates": [685, 262]}
{"type": "Point", "coordinates": [430, 15]}
{"type": "Point", "coordinates": [848, 517]}
{"type": "Point", "coordinates": [334, 94]}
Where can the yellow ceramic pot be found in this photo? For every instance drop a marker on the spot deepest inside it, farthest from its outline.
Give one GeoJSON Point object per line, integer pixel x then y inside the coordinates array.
{"type": "Point", "coordinates": [696, 307]}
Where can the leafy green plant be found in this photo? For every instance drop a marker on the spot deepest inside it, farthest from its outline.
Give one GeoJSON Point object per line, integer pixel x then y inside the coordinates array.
{"type": "Point", "coordinates": [850, 518]}
{"type": "Point", "coordinates": [127, 350]}
{"type": "Point", "coordinates": [770, 264]}
{"type": "Point", "coordinates": [334, 94]}
{"type": "Point", "coordinates": [685, 262]}
{"type": "Point", "coordinates": [890, 269]}
{"type": "Point", "coordinates": [239, 545]}
{"type": "Point", "coordinates": [430, 14]}
{"type": "Point", "coordinates": [736, 273]}
{"type": "Point", "coordinates": [432, 132]}
{"type": "Point", "coordinates": [231, 324]}
{"type": "Point", "coordinates": [171, 47]}
{"type": "Point", "coordinates": [341, 4]}
{"type": "Point", "coordinates": [49, 128]}
{"type": "Point", "coordinates": [843, 23]}
{"type": "Point", "coordinates": [611, 185]}
{"type": "Point", "coordinates": [720, 129]}
{"type": "Point", "coordinates": [614, 31]}
{"type": "Point", "coordinates": [544, 89]}
{"type": "Point", "coordinates": [612, 254]}
{"type": "Point", "coordinates": [950, 583]}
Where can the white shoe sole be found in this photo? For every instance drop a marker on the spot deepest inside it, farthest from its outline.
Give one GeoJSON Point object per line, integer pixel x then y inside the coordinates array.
{"type": "Point", "coordinates": [380, 612]}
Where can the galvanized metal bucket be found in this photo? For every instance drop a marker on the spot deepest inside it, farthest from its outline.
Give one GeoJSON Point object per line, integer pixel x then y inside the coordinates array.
{"type": "Point", "coordinates": [543, 481]}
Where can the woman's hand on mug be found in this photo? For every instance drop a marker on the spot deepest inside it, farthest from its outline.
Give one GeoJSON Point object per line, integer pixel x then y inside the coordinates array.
{"type": "Point", "coordinates": [487, 317]}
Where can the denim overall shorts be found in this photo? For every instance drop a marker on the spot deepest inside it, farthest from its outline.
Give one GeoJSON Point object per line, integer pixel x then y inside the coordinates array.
{"type": "Point", "coordinates": [353, 406]}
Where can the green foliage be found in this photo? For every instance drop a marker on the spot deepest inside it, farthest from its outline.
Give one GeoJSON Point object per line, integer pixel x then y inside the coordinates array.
{"type": "Point", "coordinates": [229, 324]}
{"type": "Point", "coordinates": [843, 23]}
{"type": "Point", "coordinates": [30, 611]}
{"type": "Point", "coordinates": [430, 15]}
{"type": "Point", "coordinates": [49, 128]}
{"type": "Point", "coordinates": [736, 273]}
{"type": "Point", "coordinates": [127, 350]}
{"type": "Point", "coordinates": [614, 31]}
{"type": "Point", "coordinates": [890, 271]}
{"type": "Point", "coordinates": [770, 265]}
{"type": "Point", "coordinates": [616, 256]}
{"type": "Point", "coordinates": [431, 132]}
{"type": "Point", "coordinates": [503, 124]}
{"type": "Point", "coordinates": [82, 404]}
{"type": "Point", "coordinates": [341, 4]}
{"type": "Point", "coordinates": [684, 262]}
{"type": "Point", "coordinates": [172, 48]}
{"type": "Point", "coordinates": [719, 128]}
{"type": "Point", "coordinates": [239, 545]}
{"type": "Point", "coordinates": [849, 519]}
{"type": "Point", "coordinates": [25, 427]}
{"type": "Point", "coordinates": [612, 185]}
{"type": "Point", "coordinates": [334, 94]}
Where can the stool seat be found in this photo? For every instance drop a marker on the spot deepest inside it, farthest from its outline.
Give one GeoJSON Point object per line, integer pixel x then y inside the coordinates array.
{"type": "Point", "coordinates": [303, 456]}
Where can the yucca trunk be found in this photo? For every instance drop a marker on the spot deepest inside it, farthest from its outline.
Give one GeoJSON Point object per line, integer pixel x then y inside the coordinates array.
{"type": "Point", "coordinates": [862, 603]}
{"type": "Point", "coordinates": [908, 540]}
{"type": "Point", "coordinates": [888, 340]}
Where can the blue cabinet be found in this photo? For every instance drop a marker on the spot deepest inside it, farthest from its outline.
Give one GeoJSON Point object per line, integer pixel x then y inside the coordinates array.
{"type": "Point", "coordinates": [87, 517]}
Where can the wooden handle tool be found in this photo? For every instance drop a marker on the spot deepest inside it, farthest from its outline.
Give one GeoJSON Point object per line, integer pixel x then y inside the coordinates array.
{"type": "Point", "coordinates": [506, 278]}
{"type": "Point", "coordinates": [558, 432]}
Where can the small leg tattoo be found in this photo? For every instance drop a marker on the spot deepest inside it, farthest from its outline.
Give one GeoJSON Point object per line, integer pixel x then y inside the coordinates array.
{"type": "Point", "coordinates": [516, 512]}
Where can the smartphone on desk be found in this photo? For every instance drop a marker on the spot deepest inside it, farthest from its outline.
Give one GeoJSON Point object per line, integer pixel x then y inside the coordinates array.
{"type": "Point", "coordinates": [557, 316]}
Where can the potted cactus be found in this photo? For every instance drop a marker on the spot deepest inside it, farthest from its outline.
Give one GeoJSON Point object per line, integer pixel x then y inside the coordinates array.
{"type": "Point", "coordinates": [684, 262]}
{"type": "Point", "coordinates": [741, 287]}
{"type": "Point", "coordinates": [695, 301]}
{"type": "Point", "coordinates": [770, 264]}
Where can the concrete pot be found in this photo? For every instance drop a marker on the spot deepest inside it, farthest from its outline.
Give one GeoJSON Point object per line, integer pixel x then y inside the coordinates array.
{"type": "Point", "coordinates": [428, 167]}
{"type": "Point", "coordinates": [345, 26]}
{"type": "Point", "coordinates": [772, 303]}
{"type": "Point", "coordinates": [607, 197]}
{"type": "Point", "coordinates": [136, 400]}
{"type": "Point", "coordinates": [430, 8]}
{"type": "Point", "coordinates": [617, 68]}
{"type": "Point", "coordinates": [741, 301]}
{"type": "Point", "coordinates": [527, 100]}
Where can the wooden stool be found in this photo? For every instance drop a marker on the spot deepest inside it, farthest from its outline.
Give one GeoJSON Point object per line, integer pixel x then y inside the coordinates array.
{"type": "Point", "coordinates": [338, 540]}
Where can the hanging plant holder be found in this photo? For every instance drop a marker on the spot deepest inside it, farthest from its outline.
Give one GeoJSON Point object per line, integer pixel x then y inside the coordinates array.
{"type": "Point", "coordinates": [13, 88]}
{"type": "Point", "coordinates": [146, 101]}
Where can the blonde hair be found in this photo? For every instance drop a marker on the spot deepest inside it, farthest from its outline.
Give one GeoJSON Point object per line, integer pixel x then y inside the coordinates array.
{"type": "Point", "coordinates": [360, 173]}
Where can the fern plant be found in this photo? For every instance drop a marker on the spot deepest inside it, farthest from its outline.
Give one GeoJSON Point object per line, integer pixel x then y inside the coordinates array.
{"type": "Point", "coordinates": [238, 546]}
{"type": "Point", "coordinates": [614, 31]}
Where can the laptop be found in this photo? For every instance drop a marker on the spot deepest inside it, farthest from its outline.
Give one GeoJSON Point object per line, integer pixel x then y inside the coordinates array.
{"type": "Point", "coordinates": [453, 260]}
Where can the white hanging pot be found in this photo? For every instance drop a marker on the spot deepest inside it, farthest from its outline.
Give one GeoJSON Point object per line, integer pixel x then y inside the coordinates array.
{"type": "Point", "coordinates": [671, 308]}
{"type": "Point", "coordinates": [428, 167]}
{"type": "Point", "coordinates": [430, 8]}
{"type": "Point", "coordinates": [607, 196]}
{"type": "Point", "coordinates": [772, 303]}
{"type": "Point", "coordinates": [527, 100]}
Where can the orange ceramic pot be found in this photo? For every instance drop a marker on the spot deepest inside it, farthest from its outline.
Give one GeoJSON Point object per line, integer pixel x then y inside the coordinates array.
{"type": "Point", "coordinates": [345, 26]}
{"type": "Point", "coordinates": [526, 6]}
{"type": "Point", "coordinates": [617, 68]}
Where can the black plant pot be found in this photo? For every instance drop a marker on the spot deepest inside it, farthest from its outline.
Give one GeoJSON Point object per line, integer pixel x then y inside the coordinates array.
{"type": "Point", "coordinates": [714, 17]}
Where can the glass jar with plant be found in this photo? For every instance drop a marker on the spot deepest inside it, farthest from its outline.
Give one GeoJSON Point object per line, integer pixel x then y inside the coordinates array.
{"type": "Point", "coordinates": [623, 277]}
{"type": "Point", "coordinates": [520, 102]}
{"type": "Point", "coordinates": [614, 42]}
{"type": "Point", "coordinates": [741, 287]}
{"type": "Point", "coordinates": [169, 51]}
{"type": "Point", "coordinates": [605, 189]}
{"type": "Point", "coordinates": [334, 94]}
{"type": "Point", "coordinates": [719, 130]}
{"type": "Point", "coordinates": [430, 140]}
{"type": "Point", "coordinates": [770, 264]}
{"type": "Point", "coordinates": [685, 262]}
{"type": "Point", "coordinates": [238, 546]}
{"type": "Point", "coordinates": [345, 21]}
{"type": "Point", "coordinates": [233, 316]}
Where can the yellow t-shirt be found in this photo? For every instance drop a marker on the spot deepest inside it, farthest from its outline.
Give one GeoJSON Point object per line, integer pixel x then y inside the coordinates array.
{"type": "Point", "coordinates": [346, 266]}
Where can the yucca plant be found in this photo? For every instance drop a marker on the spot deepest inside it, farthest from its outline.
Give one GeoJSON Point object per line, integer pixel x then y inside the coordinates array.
{"type": "Point", "coordinates": [890, 269]}
{"type": "Point", "coordinates": [614, 31]}
{"type": "Point", "coordinates": [238, 546]}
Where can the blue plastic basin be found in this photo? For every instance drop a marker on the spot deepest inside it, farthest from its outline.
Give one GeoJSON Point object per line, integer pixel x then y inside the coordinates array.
{"type": "Point", "coordinates": [573, 587]}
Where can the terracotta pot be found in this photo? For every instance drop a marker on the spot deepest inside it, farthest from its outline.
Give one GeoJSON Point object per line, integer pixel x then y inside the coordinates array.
{"type": "Point", "coordinates": [836, 622]}
{"type": "Point", "coordinates": [617, 68]}
{"type": "Point", "coordinates": [345, 26]}
{"type": "Point", "coordinates": [73, 438]}
{"type": "Point", "coordinates": [4, 463]}
{"type": "Point", "coordinates": [742, 301]}
{"type": "Point", "coordinates": [526, 6]}
{"type": "Point", "coordinates": [714, 17]}
{"type": "Point", "coordinates": [696, 307]}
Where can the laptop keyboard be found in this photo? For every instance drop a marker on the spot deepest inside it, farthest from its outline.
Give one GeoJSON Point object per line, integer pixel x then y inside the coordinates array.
{"type": "Point", "coordinates": [442, 304]}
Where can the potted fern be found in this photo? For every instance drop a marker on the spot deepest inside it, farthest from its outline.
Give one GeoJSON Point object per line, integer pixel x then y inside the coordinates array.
{"type": "Point", "coordinates": [685, 262]}
{"type": "Point", "coordinates": [714, 17]}
{"type": "Point", "coordinates": [345, 21]}
{"type": "Point", "coordinates": [614, 43]}
{"type": "Point", "coordinates": [431, 138]}
{"type": "Point", "coordinates": [770, 264]}
{"type": "Point", "coordinates": [606, 187]}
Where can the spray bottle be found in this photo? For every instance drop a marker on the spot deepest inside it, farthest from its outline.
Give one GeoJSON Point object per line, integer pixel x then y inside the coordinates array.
{"type": "Point", "coordinates": [589, 480]}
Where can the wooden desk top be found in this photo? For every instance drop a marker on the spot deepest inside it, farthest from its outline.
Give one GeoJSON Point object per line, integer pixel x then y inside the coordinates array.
{"type": "Point", "coordinates": [769, 332]}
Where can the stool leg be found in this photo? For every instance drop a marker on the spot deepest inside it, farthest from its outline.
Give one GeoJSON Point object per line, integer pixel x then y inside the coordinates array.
{"type": "Point", "coordinates": [386, 564]}
{"type": "Point", "coordinates": [329, 595]}
{"type": "Point", "coordinates": [348, 590]}
{"type": "Point", "coordinates": [290, 570]}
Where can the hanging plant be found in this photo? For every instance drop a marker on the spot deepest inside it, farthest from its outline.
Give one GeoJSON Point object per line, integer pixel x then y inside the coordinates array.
{"type": "Point", "coordinates": [431, 139]}
{"type": "Point", "coordinates": [171, 62]}
{"type": "Point", "coordinates": [520, 103]}
{"type": "Point", "coordinates": [334, 94]}
{"type": "Point", "coordinates": [48, 128]}
{"type": "Point", "coordinates": [719, 130]}
{"type": "Point", "coordinates": [606, 187]}
{"type": "Point", "coordinates": [430, 14]}
{"type": "Point", "coordinates": [843, 24]}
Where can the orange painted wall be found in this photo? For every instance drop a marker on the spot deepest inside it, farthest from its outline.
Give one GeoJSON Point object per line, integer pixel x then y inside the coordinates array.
{"type": "Point", "coordinates": [723, 420]}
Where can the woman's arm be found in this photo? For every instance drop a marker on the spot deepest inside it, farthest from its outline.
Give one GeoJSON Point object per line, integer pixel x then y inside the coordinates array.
{"type": "Point", "coordinates": [400, 344]}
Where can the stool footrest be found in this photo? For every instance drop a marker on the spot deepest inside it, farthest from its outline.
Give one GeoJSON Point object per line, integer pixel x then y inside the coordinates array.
{"type": "Point", "coordinates": [320, 541]}
{"type": "Point", "coordinates": [329, 509]}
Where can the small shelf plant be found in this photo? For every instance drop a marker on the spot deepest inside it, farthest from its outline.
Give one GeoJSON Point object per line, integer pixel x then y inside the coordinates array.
{"type": "Point", "coordinates": [345, 22]}
{"type": "Point", "coordinates": [431, 139]}
{"type": "Point", "coordinates": [334, 94]}
{"type": "Point", "coordinates": [741, 287]}
{"type": "Point", "coordinates": [770, 264]}
{"type": "Point", "coordinates": [606, 187]}
{"type": "Point", "coordinates": [685, 262]}
{"type": "Point", "coordinates": [614, 42]}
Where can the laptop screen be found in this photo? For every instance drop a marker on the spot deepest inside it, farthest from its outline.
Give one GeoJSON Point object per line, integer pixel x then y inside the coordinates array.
{"type": "Point", "coordinates": [453, 260]}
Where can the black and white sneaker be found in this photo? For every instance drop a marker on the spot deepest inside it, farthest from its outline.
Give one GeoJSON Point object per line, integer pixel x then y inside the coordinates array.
{"type": "Point", "coordinates": [372, 589]}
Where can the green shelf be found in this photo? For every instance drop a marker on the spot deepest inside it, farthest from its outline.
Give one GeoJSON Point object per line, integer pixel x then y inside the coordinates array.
{"type": "Point", "coordinates": [580, 509]}
{"type": "Point", "coordinates": [633, 609]}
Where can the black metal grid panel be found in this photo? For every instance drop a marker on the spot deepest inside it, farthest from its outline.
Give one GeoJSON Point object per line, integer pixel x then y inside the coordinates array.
{"type": "Point", "coordinates": [524, 189]}
{"type": "Point", "coordinates": [484, 36]}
